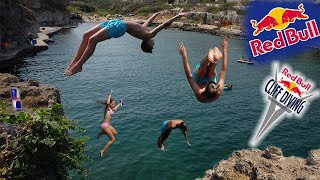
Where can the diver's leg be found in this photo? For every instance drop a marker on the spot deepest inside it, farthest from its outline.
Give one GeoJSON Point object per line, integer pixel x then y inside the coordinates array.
{"type": "Point", "coordinates": [114, 132]}
{"type": "Point", "coordinates": [202, 70]}
{"type": "Point", "coordinates": [101, 35]}
{"type": "Point", "coordinates": [211, 69]}
{"type": "Point", "coordinates": [84, 43]}
{"type": "Point", "coordinates": [111, 141]}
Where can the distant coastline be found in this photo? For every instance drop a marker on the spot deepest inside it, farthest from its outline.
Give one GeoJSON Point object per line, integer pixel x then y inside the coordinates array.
{"type": "Point", "coordinates": [11, 58]}
{"type": "Point", "coordinates": [233, 32]}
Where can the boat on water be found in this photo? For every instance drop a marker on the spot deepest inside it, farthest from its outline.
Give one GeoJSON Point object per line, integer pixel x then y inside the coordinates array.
{"type": "Point", "coordinates": [245, 61]}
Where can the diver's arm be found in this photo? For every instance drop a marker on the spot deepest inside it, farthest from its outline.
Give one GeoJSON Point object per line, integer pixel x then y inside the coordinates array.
{"type": "Point", "coordinates": [167, 23]}
{"type": "Point", "coordinates": [222, 75]}
{"type": "Point", "coordinates": [115, 108]}
{"type": "Point", "coordinates": [192, 82]}
{"type": "Point", "coordinates": [109, 97]}
{"type": "Point", "coordinates": [151, 19]}
{"type": "Point", "coordinates": [186, 66]}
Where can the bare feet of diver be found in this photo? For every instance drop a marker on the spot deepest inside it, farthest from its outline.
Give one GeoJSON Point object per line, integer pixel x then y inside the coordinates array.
{"type": "Point", "coordinates": [162, 147]}
{"type": "Point", "coordinates": [214, 55]}
{"type": "Point", "coordinates": [101, 153]}
{"type": "Point", "coordinates": [73, 70]}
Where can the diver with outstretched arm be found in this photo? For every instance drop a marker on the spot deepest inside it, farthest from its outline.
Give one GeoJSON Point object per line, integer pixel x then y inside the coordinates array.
{"type": "Point", "coordinates": [106, 127]}
{"type": "Point", "coordinates": [203, 80]}
{"type": "Point", "coordinates": [167, 127]}
{"type": "Point", "coordinates": [115, 29]}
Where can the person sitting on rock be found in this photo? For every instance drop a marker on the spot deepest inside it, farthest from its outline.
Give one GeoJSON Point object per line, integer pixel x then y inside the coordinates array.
{"type": "Point", "coordinates": [166, 129]}
{"type": "Point", "coordinates": [203, 80]}
{"type": "Point", "coordinates": [30, 38]}
{"type": "Point", "coordinates": [115, 29]}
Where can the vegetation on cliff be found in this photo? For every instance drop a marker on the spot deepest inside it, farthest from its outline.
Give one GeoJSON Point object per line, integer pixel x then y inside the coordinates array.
{"type": "Point", "coordinates": [104, 7]}
{"type": "Point", "coordinates": [40, 145]}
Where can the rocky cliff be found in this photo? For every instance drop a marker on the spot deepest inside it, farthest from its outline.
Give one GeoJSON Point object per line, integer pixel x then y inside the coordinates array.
{"type": "Point", "coordinates": [16, 19]}
{"type": "Point", "coordinates": [269, 164]}
{"type": "Point", "coordinates": [19, 17]}
{"type": "Point", "coordinates": [49, 12]}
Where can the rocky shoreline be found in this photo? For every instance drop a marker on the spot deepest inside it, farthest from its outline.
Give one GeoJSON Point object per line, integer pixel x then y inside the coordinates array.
{"type": "Point", "coordinates": [269, 164]}
{"type": "Point", "coordinates": [33, 94]}
{"type": "Point", "coordinates": [13, 57]}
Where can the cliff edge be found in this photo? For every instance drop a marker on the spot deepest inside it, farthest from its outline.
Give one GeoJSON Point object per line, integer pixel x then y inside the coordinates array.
{"type": "Point", "coordinates": [269, 164]}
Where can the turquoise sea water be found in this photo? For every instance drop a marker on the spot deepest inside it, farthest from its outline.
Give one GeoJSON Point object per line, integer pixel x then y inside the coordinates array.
{"type": "Point", "coordinates": [154, 89]}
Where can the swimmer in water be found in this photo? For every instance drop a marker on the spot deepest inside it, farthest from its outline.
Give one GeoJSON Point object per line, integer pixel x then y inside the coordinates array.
{"type": "Point", "coordinates": [166, 128]}
{"type": "Point", "coordinates": [203, 80]}
{"type": "Point", "coordinates": [115, 29]}
{"type": "Point", "coordinates": [106, 127]}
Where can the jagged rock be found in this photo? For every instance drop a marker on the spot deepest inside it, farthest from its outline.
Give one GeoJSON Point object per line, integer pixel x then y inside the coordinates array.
{"type": "Point", "coordinates": [32, 93]}
{"type": "Point", "coordinates": [33, 83]}
{"type": "Point", "coordinates": [273, 153]}
{"type": "Point", "coordinates": [8, 79]}
{"type": "Point", "coordinates": [265, 165]}
{"type": "Point", "coordinates": [14, 11]}
{"type": "Point", "coordinates": [314, 157]}
{"type": "Point", "coordinates": [30, 14]}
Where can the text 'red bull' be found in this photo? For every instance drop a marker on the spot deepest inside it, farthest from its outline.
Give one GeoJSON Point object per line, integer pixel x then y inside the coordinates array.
{"type": "Point", "coordinates": [291, 36]}
{"type": "Point", "coordinates": [295, 78]}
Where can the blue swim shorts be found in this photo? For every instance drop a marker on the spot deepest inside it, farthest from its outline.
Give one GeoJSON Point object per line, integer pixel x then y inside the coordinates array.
{"type": "Point", "coordinates": [116, 28]}
{"type": "Point", "coordinates": [205, 79]}
{"type": "Point", "coordinates": [163, 126]}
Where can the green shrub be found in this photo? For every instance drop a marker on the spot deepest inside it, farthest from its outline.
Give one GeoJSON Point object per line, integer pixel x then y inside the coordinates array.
{"type": "Point", "coordinates": [213, 9]}
{"type": "Point", "coordinates": [240, 11]}
{"type": "Point", "coordinates": [227, 6]}
{"type": "Point", "coordinates": [42, 144]}
{"type": "Point", "coordinates": [83, 6]}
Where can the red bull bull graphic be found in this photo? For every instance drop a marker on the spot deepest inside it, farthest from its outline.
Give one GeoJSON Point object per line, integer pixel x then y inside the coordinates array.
{"type": "Point", "coordinates": [278, 19]}
{"type": "Point", "coordinates": [297, 91]}
{"type": "Point", "coordinates": [281, 29]}
{"type": "Point", "coordinates": [287, 96]}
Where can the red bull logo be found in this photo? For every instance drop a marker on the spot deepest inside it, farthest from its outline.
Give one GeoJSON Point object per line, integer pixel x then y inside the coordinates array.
{"type": "Point", "coordinates": [294, 84]}
{"type": "Point", "coordinates": [278, 19]}
{"type": "Point", "coordinates": [296, 79]}
{"type": "Point", "coordinates": [283, 99]}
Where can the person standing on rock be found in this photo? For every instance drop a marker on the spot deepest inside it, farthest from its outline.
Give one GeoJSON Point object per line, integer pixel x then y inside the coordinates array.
{"type": "Point", "coordinates": [115, 29]}
{"type": "Point", "coordinates": [203, 80]}
{"type": "Point", "coordinates": [106, 127]}
{"type": "Point", "coordinates": [166, 129]}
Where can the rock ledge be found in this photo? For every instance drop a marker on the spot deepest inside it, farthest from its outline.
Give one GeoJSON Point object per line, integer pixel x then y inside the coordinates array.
{"type": "Point", "coordinates": [269, 164]}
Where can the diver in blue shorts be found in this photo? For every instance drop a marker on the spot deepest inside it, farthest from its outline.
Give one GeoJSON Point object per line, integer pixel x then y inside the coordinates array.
{"type": "Point", "coordinates": [115, 29]}
{"type": "Point", "coordinates": [167, 127]}
{"type": "Point", "coordinates": [203, 80]}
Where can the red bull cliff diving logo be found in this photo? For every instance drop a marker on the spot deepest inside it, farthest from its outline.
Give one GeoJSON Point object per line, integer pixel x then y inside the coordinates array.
{"type": "Point", "coordinates": [288, 95]}
{"type": "Point", "coordinates": [278, 19]}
